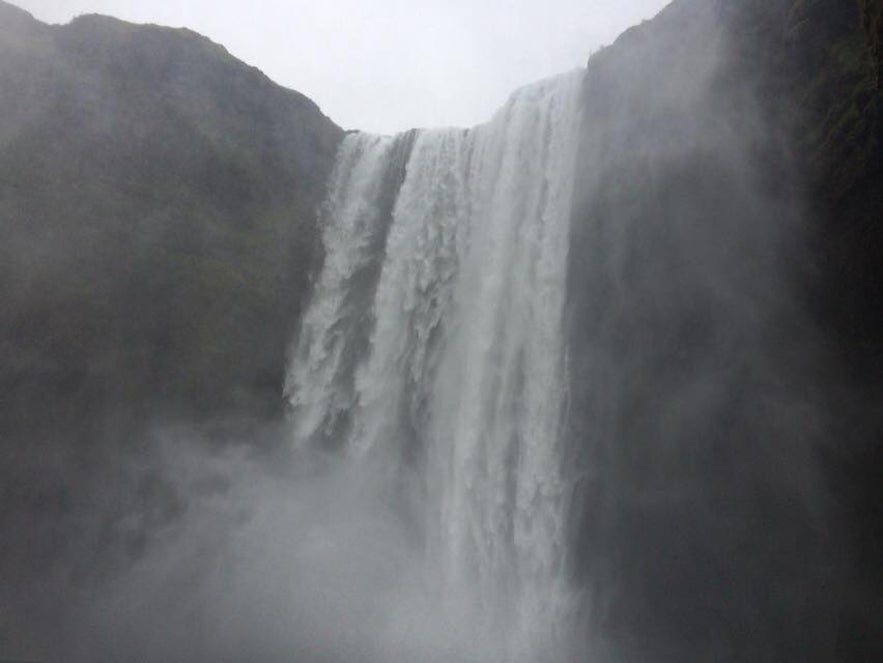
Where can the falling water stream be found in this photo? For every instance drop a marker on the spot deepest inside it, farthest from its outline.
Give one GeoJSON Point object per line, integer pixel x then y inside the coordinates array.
{"type": "Point", "coordinates": [434, 345]}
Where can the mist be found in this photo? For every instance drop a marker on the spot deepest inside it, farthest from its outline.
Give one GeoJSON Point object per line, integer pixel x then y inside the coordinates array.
{"type": "Point", "coordinates": [195, 553]}
{"type": "Point", "coordinates": [263, 558]}
{"type": "Point", "coordinates": [705, 525]}
{"type": "Point", "coordinates": [554, 388]}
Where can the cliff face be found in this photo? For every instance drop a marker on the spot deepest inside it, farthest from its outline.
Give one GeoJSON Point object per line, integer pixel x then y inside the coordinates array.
{"type": "Point", "coordinates": [840, 142]}
{"type": "Point", "coordinates": [872, 21]}
{"type": "Point", "coordinates": [157, 220]}
{"type": "Point", "coordinates": [157, 231]}
{"type": "Point", "coordinates": [725, 289]}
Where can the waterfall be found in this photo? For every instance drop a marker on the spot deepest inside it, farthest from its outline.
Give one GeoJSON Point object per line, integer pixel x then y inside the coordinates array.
{"type": "Point", "coordinates": [434, 342]}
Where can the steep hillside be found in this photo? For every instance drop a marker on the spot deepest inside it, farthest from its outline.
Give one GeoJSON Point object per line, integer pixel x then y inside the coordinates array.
{"type": "Point", "coordinates": [157, 221]}
{"type": "Point", "coordinates": [838, 84]}
{"type": "Point", "coordinates": [157, 232]}
{"type": "Point", "coordinates": [726, 292]}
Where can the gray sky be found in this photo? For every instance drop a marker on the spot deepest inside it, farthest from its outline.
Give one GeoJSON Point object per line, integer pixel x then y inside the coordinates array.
{"type": "Point", "coordinates": [389, 65]}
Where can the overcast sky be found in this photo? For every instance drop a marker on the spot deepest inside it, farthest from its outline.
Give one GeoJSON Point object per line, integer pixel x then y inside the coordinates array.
{"type": "Point", "coordinates": [389, 65]}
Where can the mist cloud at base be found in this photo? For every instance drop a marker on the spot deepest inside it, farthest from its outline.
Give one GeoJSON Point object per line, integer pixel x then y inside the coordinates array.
{"type": "Point", "coordinates": [235, 555]}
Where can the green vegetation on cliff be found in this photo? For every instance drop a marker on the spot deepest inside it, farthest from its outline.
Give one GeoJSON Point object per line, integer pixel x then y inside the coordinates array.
{"type": "Point", "coordinates": [872, 20]}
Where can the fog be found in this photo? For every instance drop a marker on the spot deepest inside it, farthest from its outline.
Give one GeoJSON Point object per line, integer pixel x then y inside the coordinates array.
{"type": "Point", "coordinates": [699, 405]}
{"type": "Point", "coordinates": [241, 555]}
{"type": "Point", "coordinates": [556, 394]}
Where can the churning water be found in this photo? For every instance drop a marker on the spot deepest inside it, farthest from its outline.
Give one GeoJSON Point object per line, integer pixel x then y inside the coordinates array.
{"type": "Point", "coordinates": [434, 347]}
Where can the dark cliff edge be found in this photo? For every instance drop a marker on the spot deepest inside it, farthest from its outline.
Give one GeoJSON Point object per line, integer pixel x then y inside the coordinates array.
{"type": "Point", "coordinates": [729, 504]}
{"type": "Point", "coordinates": [837, 82]}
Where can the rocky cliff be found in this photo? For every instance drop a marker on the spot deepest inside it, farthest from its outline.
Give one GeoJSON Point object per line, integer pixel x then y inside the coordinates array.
{"type": "Point", "coordinates": [157, 232]}
{"type": "Point", "coordinates": [728, 507]}
{"type": "Point", "coordinates": [157, 220]}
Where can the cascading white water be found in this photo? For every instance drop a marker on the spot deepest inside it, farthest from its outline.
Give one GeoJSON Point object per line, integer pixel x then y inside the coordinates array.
{"type": "Point", "coordinates": [435, 341]}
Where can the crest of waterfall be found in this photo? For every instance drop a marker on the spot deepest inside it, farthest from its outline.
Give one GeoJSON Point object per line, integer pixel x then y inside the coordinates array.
{"type": "Point", "coordinates": [435, 342]}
